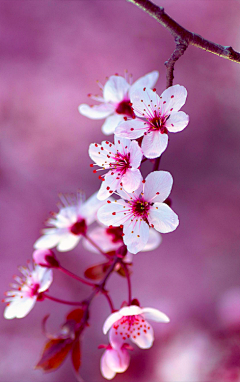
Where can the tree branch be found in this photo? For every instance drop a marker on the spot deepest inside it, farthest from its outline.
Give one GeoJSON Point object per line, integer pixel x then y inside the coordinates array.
{"type": "Point", "coordinates": [189, 38]}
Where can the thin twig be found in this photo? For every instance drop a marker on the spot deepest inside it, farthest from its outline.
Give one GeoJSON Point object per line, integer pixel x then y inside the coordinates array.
{"type": "Point", "coordinates": [190, 38]}
{"type": "Point", "coordinates": [181, 46]}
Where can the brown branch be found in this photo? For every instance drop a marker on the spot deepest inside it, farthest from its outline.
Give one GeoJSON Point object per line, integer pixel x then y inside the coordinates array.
{"type": "Point", "coordinates": [189, 38]}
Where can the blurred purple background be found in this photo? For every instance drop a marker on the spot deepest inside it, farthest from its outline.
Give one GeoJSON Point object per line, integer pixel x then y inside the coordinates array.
{"type": "Point", "coordinates": [51, 54]}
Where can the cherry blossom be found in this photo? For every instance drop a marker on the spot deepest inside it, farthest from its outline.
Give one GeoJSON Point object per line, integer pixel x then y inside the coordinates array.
{"type": "Point", "coordinates": [114, 361]}
{"type": "Point", "coordinates": [45, 258]}
{"type": "Point", "coordinates": [131, 323]}
{"type": "Point", "coordinates": [140, 210]}
{"type": "Point", "coordinates": [122, 159]}
{"type": "Point", "coordinates": [70, 223]}
{"type": "Point", "coordinates": [115, 102]}
{"type": "Point", "coordinates": [155, 118]}
{"type": "Point", "coordinates": [111, 238]}
{"type": "Point", "coordinates": [23, 297]}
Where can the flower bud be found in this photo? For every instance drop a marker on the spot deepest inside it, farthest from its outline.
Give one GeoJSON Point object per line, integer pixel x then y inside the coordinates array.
{"type": "Point", "coordinates": [45, 258]}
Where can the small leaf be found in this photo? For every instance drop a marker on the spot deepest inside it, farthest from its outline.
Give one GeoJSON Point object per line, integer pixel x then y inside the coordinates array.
{"type": "Point", "coordinates": [76, 315]}
{"type": "Point", "coordinates": [54, 353]}
{"type": "Point", "coordinates": [97, 272]}
{"type": "Point", "coordinates": [76, 355]}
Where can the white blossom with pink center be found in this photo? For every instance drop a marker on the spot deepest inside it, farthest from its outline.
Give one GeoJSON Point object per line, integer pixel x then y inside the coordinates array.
{"type": "Point", "coordinates": [155, 118]}
{"type": "Point", "coordinates": [142, 209]}
{"type": "Point", "coordinates": [114, 361]}
{"type": "Point", "coordinates": [23, 297]}
{"type": "Point", "coordinates": [131, 323]}
{"type": "Point", "coordinates": [115, 101]}
{"type": "Point", "coordinates": [122, 159]}
{"type": "Point", "coordinates": [70, 223]}
{"type": "Point", "coordinates": [110, 239]}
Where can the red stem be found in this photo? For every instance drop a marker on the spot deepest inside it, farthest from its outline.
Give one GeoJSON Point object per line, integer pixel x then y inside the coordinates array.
{"type": "Point", "coordinates": [67, 272]}
{"type": "Point", "coordinates": [61, 301]}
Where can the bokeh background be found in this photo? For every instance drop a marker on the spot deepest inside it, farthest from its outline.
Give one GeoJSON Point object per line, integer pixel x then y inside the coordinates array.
{"type": "Point", "coordinates": [51, 53]}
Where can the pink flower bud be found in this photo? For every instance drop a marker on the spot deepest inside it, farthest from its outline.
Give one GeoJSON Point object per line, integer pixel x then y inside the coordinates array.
{"type": "Point", "coordinates": [45, 258]}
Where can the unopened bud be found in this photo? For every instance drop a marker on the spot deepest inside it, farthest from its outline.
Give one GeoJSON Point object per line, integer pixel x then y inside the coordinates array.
{"type": "Point", "coordinates": [45, 258]}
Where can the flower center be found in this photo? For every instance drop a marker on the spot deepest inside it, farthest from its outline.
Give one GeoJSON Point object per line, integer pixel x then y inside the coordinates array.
{"type": "Point", "coordinates": [125, 108]}
{"type": "Point", "coordinates": [140, 208]}
{"type": "Point", "coordinates": [158, 123]}
{"type": "Point", "coordinates": [34, 289]}
{"type": "Point", "coordinates": [115, 233]}
{"type": "Point", "coordinates": [79, 228]}
{"type": "Point", "coordinates": [122, 163]}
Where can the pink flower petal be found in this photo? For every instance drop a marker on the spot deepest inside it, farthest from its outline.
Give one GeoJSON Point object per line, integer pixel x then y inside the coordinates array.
{"type": "Point", "coordinates": [118, 360]}
{"type": "Point", "coordinates": [146, 337]}
{"type": "Point", "coordinates": [131, 180]}
{"type": "Point", "coordinates": [145, 102]}
{"type": "Point", "coordinates": [111, 123]}
{"type": "Point", "coordinates": [115, 89]}
{"type": "Point", "coordinates": [154, 315]}
{"type": "Point", "coordinates": [148, 81]}
{"type": "Point", "coordinates": [136, 235]}
{"type": "Point", "coordinates": [177, 121]}
{"type": "Point", "coordinates": [173, 98]}
{"type": "Point", "coordinates": [106, 371]}
{"type": "Point", "coordinates": [132, 129]}
{"type": "Point", "coordinates": [154, 144]}
{"type": "Point", "coordinates": [99, 156]}
{"type": "Point", "coordinates": [163, 218]}
{"type": "Point", "coordinates": [110, 321]}
{"type": "Point", "coordinates": [113, 213]}
{"type": "Point", "coordinates": [97, 111]}
{"type": "Point", "coordinates": [135, 154]}
{"type": "Point", "coordinates": [111, 183]}
{"type": "Point", "coordinates": [103, 239]}
{"type": "Point", "coordinates": [153, 242]}
{"type": "Point", "coordinates": [158, 186]}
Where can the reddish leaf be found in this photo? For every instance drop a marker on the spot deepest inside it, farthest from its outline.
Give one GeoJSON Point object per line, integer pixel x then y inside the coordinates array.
{"type": "Point", "coordinates": [54, 353]}
{"type": "Point", "coordinates": [76, 315]}
{"type": "Point", "coordinates": [97, 272]}
{"type": "Point", "coordinates": [76, 355]}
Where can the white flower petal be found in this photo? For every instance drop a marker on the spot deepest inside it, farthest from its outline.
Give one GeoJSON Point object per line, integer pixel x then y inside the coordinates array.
{"type": "Point", "coordinates": [122, 144]}
{"type": "Point", "coordinates": [115, 89]}
{"type": "Point", "coordinates": [145, 102]}
{"type": "Point", "coordinates": [177, 121]}
{"type": "Point", "coordinates": [163, 218]}
{"type": "Point", "coordinates": [19, 307]}
{"type": "Point", "coordinates": [154, 144]}
{"type": "Point", "coordinates": [131, 180]}
{"type": "Point", "coordinates": [47, 241]}
{"type": "Point", "coordinates": [45, 276]}
{"type": "Point", "coordinates": [136, 235]}
{"type": "Point", "coordinates": [135, 154]}
{"type": "Point", "coordinates": [148, 81]}
{"type": "Point", "coordinates": [110, 321]}
{"type": "Point", "coordinates": [97, 111]}
{"type": "Point", "coordinates": [106, 371]}
{"type": "Point", "coordinates": [173, 98]}
{"type": "Point", "coordinates": [68, 242]}
{"type": "Point", "coordinates": [89, 209]}
{"type": "Point", "coordinates": [154, 315]}
{"type": "Point", "coordinates": [110, 184]}
{"type": "Point", "coordinates": [158, 186]}
{"type": "Point", "coordinates": [98, 154]}
{"type": "Point", "coordinates": [131, 129]}
{"type": "Point", "coordinates": [113, 213]}
{"type": "Point", "coordinates": [154, 240]}
{"type": "Point", "coordinates": [145, 339]}
{"type": "Point", "coordinates": [111, 123]}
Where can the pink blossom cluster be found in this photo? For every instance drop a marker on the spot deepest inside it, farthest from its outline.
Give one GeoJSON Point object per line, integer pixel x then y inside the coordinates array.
{"type": "Point", "coordinates": [130, 213]}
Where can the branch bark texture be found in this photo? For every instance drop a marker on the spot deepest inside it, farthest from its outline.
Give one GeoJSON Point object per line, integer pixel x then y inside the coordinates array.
{"type": "Point", "coordinates": [180, 33]}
